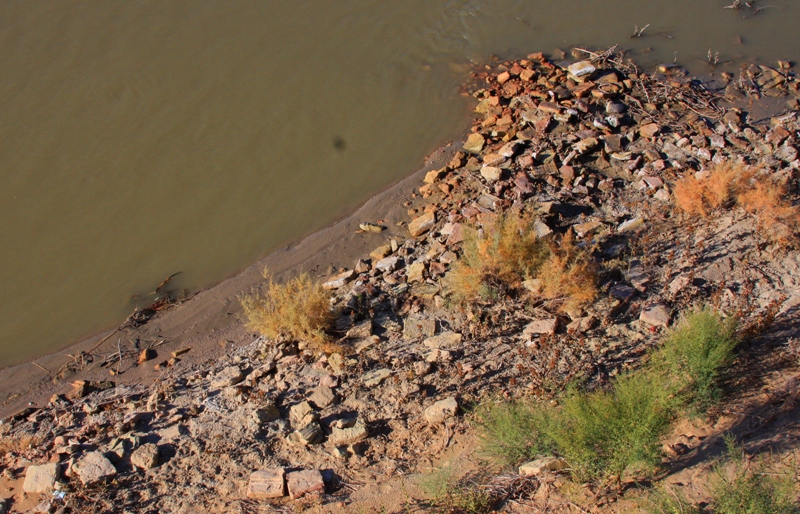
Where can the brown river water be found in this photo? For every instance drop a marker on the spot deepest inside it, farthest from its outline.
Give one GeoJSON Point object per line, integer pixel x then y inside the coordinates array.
{"type": "Point", "coordinates": [142, 138]}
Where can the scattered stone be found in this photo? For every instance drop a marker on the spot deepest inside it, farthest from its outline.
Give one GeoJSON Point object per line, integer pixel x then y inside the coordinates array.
{"type": "Point", "coordinates": [491, 173]}
{"type": "Point", "coordinates": [622, 292]}
{"type": "Point", "coordinates": [309, 434]}
{"type": "Point", "coordinates": [539, 466]}
{"type": "Point", "coordinates": [266, 484]}
{"type": "Point", "coordinates": [339, 280]}
{"type": "Point", "coordinates": [229, 376]}
{"type": "Point", "coordinates": [299, 412]}
{"type": "Point", "coordinates": [301, 483]}
{"type": "Point", "coordinates": [145, 456]}
{"type": "Point", "coordinates": [371, 227]}
{"type": "Point", "coordinates": [322, 397]}
{"type": "Point", "coordinates": [649, 131]}
{"type": "Point", "coordinates": [422, 224]}
{"type": "Point", "coordinates": [443, 340]}
{"type": "Point", "coordinates": [387, 263]}
{"type": "Point", "coordinates": [582, 69]}
{"type": "Point", "coordinates": [474, 143]}
{"type": "Point", "coordinates": [348, 435]}
{"type": "Point", "coordinates": [441, 410]}
{"type": "Point", "coordinates": [380, 252]}
{"type": "Point", "coordinates": [584, 229]}
{"type": "Point", "coordinates": [93, 467]}
{"type": "Point", "coordinates": [542, 230]}
{"type": "Point", "coordinates": [582, 325]}
{"type": "Point", "coordinates": [541, 327]}
{"type": "Point", "coordinates": [146, 355]}
{"type": "Point", "coordinates": [375, 377]}
{"type": "Point", "coordinates": [416, 272]}
{"type": "Point", "coordinates": [656, 315]}
{"type": "Point", "coordinates": [41, 479]}
{"type": "Point", "coordinates": [415, 328]}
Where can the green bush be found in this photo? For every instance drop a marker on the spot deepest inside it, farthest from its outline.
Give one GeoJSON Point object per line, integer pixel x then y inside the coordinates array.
{"type": "Point", "coordinates": [604, 433]}
{"type": "Point", "coordinates": [750, 487]}
{"type": "Point", "coordinates": [695, 354]}
{"type": "Point", "coordinates": [600, 433]}
{"type": "Point", "coordinates": [511, 433]}
{"type": "Point", "coordinates": [450, 495]}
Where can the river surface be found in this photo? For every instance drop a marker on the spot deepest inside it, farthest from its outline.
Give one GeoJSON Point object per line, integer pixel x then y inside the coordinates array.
{"type": "Point", "coordinates": [142, 138]}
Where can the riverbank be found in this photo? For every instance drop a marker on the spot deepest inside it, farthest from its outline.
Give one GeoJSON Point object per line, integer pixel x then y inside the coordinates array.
{"type": "Point", "coordinates": [592, 151]}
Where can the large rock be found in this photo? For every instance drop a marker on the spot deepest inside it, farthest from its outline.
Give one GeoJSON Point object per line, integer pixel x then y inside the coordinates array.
{"type": "Point", "coordinates": [443, 340]}
{"type": "Point", "coordinates": [491, 173]}
{"type": "Point", "coordinates": [581, 69]}
{"type": "Point", "coordinates": [40, 479]}
{"type": "Point", "coordinates": [375, 377]}
{"type": "Point", "coordinates": [301, 483]}
{"type": "Point", "coordinates": [441, 411]}
{"type": "Point", "coordinates": [145, 456]}
{"type": "Point", "coordinates": [266, 484]}
{"type": "Point", "coordinates": [422, 224]}
{"type": "Point", "coordinates": [94, 467]}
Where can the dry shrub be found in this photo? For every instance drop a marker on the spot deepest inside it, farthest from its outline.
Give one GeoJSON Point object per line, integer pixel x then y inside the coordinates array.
{"type": "Point", "coordinates": [757, 193]}
{"type": "Point", "coordinates": [568, 274]}
{"type": "Point", "coordinates": [497, 259]}
{"type": "Point", "coordinates": [702, 196]}
{"type": "Point", "coordinates": [17, 444]}
{"type": "Point", "coordinates": [298, 310]}
{"type": "Point", "coordinates": [766, 199]}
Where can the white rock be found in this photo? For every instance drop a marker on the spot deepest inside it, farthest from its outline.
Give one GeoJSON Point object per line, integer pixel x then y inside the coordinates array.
{"type": "Point", "coordinates": [40, 479]}
{"type": "Point", "coordinates": [441, 411]}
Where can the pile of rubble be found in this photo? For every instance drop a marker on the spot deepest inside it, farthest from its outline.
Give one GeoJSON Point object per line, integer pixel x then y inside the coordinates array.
{"type": "Point", "coordinates": [592, 147]}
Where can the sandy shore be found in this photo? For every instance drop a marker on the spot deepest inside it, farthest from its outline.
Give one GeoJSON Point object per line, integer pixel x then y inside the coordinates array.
{"type": "Point", "coordinates": [209, 323]}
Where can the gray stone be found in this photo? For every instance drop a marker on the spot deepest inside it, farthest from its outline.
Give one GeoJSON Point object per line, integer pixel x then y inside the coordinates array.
{"type": "Point", "coordinates": [40, 479]}
{"type": "Point", "coordinates": [229, 376]}
{"type": "Point", "coordinates": [93, 467]}
{"type": "Point", "coordinates": [539, 466]}
{"type": "Point", "coordinates": [300, 483]}
{"type": "Point", "coordinates": [145, 456]}
{"type": "Point", "coordinates": [441, 410]}
{"type": "Point", "coordinates": [266, 483]}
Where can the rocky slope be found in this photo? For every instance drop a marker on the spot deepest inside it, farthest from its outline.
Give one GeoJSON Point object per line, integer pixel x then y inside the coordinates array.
{"type": "Point", "coordinates": [593, 147]}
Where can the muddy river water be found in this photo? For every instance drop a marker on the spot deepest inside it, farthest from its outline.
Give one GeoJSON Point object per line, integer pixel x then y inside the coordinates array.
{"type": "Point", "coordinates": [142, 138]}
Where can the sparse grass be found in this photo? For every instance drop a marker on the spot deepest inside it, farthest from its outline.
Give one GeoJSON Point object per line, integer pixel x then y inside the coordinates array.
{"type": "Point", "coordinates": [751, 487]}
{"type": "Point", "coordinates": [665, 500]}
{"type": "Point", "coordinates": [449, 495]}
{"type": "Point", "coordinates": [511, 433]}
{"type": "Point", "coordinates": [754, 191]}
{"type": "Point", "coordinates": [499, 258]}
{"type": "Point", "coordinates": [298, 310]}
{"type": "Point", "coordinates": [606, 433]}
{"type": "Point", "coordinates": [695, 354]}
